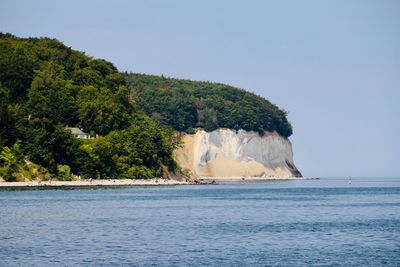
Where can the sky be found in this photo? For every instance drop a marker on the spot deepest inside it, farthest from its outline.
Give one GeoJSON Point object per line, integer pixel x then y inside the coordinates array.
{"type": "Point", "coordinates": [334, 66]}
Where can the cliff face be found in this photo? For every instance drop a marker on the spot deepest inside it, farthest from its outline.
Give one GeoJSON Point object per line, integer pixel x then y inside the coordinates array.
{"type": "Point", "coordinates": [227, 153]}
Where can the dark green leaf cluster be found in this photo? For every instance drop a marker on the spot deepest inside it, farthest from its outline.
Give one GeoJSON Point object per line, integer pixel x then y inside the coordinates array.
{"type": "Point", "coordinates": [186, 104]}
{"type": "Point", "coordinates": [45, 86]}
{"type": "Point", "coordinates": [140, 151]}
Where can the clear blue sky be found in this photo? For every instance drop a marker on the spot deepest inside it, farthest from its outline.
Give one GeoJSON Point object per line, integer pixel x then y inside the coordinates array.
{"type": "Point", "coordinates": [333, 65]}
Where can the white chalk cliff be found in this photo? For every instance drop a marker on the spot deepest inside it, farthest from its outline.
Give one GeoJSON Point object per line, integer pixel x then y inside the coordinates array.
{"type": "Point", "coordinates": [229, 153]}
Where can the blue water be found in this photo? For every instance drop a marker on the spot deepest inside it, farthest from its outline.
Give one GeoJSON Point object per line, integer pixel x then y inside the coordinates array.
{"type": "Point", "coordinates": [325, 222]}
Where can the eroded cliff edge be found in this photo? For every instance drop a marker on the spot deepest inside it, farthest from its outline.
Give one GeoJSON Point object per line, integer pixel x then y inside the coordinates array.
{"type": "Point", "coordinates": [229, 153]}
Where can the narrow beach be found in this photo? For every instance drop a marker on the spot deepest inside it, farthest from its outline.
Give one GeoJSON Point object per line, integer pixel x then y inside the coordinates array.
{"type": "Point", "coordinates": [108, 182]}
{"type": "Point", "coordinates": [138, 182]}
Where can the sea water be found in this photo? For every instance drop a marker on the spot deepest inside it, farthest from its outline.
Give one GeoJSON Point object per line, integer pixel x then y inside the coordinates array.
{"type": "Point", "coordinates": [325, 222]}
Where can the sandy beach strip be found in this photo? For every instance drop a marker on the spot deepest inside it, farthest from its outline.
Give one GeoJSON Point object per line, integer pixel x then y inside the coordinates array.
{"type": "Point", "coordinates": [108, 182]}
{"type": "Point", "coordinates": [142, 182]}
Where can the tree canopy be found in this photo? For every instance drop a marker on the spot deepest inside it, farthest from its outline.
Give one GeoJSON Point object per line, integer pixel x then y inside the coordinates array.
{"type": "Point", "coordinates": [45, 86]}
{"type": "Point", "coordinates": [186, 104]}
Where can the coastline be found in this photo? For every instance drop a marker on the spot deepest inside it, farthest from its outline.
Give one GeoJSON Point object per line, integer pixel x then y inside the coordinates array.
{"type": "Point", "coordinates": [243, 178]}
{"type": "Point", "coordinates": [141, 182]}
{"type": "Point", "coordinates": [100, 182]}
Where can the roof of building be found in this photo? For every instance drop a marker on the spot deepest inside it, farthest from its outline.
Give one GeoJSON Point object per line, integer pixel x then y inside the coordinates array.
{"type": "Point", "coordinates": [75, 130]}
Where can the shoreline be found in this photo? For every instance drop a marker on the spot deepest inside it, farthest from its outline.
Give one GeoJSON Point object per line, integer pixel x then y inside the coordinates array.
{"type": "Point", "coordinates": [100, 182]}
{"type": "Point", "coordinates": [141, 182]}
{"type": "Point", "coordinates": [243, 178]}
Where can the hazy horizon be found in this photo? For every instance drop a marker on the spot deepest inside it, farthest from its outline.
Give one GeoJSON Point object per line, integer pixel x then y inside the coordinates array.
{"type": "Point", "coordinates": [333, 65]}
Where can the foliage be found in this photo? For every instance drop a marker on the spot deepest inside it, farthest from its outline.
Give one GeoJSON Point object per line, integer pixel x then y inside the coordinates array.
{"type": "Point", "coordinates": [52, 97]}
{"type": "Point", "coordinates": [101, 110]}
{"type": "Point", "coordinates": [188, 104]}
{"type": "Point", "coordinates": [6, 118]}
{"type": "Point", "coordinates": [139, 151]}
{"type": "Point", "coordinates": [10, 158]}
{"type": "Point", "coordinates": [16, 167]}
{"type": "Point", "coordinates": [45, 86]}
{"type": "Point", "coordinates": [64, 173]}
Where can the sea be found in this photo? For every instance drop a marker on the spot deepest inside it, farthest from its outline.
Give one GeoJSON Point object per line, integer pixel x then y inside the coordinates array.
{"type": "Point", "coordinates": [311, 222]}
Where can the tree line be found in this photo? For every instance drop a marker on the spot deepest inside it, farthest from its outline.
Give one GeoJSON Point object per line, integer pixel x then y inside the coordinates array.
{"type": "Point", "coordinates": [187, 105]}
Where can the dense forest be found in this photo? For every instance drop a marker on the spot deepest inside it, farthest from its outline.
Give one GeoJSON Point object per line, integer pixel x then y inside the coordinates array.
{"type": "Point", "coordinates": [46, 87]}
{"type": "Point", "coordinates": [186, 105]}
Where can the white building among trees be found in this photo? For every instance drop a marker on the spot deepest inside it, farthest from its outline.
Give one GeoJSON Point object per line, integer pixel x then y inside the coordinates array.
{"type": "Point", "coordinates": [78, 133]}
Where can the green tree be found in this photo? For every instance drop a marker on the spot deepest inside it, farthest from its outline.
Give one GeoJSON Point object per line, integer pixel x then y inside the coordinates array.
{"type": "Point", "coordinates": [10, 159]}
{"type": "Point", "coordinates": [51, 97]}
{"type": "Point", "coordinates": [186, 104]}
{"type": "Point", "coordinates": [98, 159]}
{"type": "Point", "coordinates": [16, 68]}
{"type": "Point", "coordinates": [6, 119]}
{"type": "Point", "coordinates": [101, 110]}
{"type": "Point", "coordinates": [64, 173]}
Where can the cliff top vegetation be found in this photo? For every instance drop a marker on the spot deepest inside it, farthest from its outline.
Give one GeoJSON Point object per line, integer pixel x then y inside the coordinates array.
{"type": "Point", "coordinates": [186, 105]}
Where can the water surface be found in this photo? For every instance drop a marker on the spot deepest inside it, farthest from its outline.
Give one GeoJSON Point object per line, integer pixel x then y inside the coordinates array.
{"type": "Point", "coordinates": [326, 222]}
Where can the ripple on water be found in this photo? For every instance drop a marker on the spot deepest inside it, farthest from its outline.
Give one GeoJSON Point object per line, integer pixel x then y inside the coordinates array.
{"type": "Point", "coordinates": [299, 223]}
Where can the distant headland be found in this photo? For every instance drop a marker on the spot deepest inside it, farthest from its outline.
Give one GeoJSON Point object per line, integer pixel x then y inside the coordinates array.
{"type": "Point", "coordinates": [66, 116]}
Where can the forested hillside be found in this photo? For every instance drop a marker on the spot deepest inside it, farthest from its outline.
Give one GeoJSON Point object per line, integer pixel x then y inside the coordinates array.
{"type": "Point", "coordinates": [45, 86]}
{"type": "Point", "coordinates": [188, 104]}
